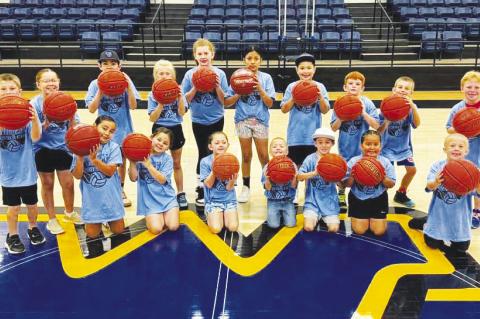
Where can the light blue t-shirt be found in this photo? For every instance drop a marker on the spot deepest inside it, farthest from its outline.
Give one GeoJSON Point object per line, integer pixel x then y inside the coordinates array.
{"type": "Point", "coordinates": [17, 161]}
{"type": "Point", "coordinates": [303, 120]}
{"type": "Point", "coordinates": [473, 143]}
{"type": "Point", "coordinates": [206, 109]}
{"type": "Point", "coordinates": [449, 215]}
{"type": "Point", "coordinates": [218, 193]}
{"type": "Point", "coordinates": [320, 196]}
{"type": "Point", "coordinates": [251, 105]}
{"type": "Point", "coordinates": [169, 116]}
{"type": "Point", "coordinates": [397, 138]}
{"type": "Point", "coordinates": [278, 191]}
{"type": "Point", "coordinates": [102, 195]}
{"type": "Point", "coordinates": [351, 131]}
{"type": "Point", "coordinates": [115, 106]}
{"type": "Point", "coordinates": [365, 192]}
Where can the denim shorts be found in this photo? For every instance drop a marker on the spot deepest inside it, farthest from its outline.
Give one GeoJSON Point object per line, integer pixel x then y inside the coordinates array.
{"type": "Point", "coordinates": [220, 207]}
{"type": "Point", "coordinates": [279, 208]}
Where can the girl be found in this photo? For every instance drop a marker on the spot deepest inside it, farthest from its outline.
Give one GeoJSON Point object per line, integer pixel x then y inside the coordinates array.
{"type": "Point", "coordinates": [171, 117]}
{"type": "Point", "coordinates": [252, 118]}
{"type": "Point", "coordinates": [220, 198]}
{"type": "Point", "coordinates": [368, 205]}
{"type": "Point", "coordinates": [155, 195]}
{"type": "Point", "coordinates": [100, 187]}
{"type": "Point", "coordinates": [52, 154]}
{"type": "Point", "coordinates": [207, 108]}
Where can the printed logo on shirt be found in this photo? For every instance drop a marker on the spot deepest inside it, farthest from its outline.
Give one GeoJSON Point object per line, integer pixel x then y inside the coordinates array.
{"type": "Point", "coordinates": [306, 109]}
{"type": "Point", "coordinates": [367, 190]}
{"type": "Point", "coordinates": [220, 185]}
{"type": "Point", "coordinates": [398, 128]}
{"type": "Point", "coordinates": [207, 99]}
{"type": "Point", "coordinates": [447, 197]}
{"type": "Point", "coordinates": [169, 111]}
{"type": "Point", "coordinates": [57, 127]}
{"type": "Point", "coordinates": [318, 183]}
{"type": "Point", "coordinates": [351, 127]}
{"type": "Point", "coordinates": [12, 141]}
{"type": "Point", "coordinates": [112, 104]}
{"type": "Point", "coordinates": [92, 176]}
{"type": "Point", "coordinates": [251, 99]}
{"type": "Point", "coordinates": [144, 174]}
{"type": "Point", "coordinates": [279, 191]}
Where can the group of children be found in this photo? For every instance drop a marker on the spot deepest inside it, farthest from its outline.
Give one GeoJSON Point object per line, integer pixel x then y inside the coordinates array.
{"type": "Point", "coordinates": [40, 146]}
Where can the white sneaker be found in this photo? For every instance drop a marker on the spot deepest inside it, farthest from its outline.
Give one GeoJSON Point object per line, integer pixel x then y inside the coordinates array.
{"type": "Point", "coordinates": [126, 201]}
{"type": "Point", "coordinates": [244, 195]}
{"type": "Point", "coordinates": [54, 227]}
{"type": "Point", "coordinates": [73, 217]}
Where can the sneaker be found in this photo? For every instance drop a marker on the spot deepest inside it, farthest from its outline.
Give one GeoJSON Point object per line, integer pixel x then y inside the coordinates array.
{"type": "Point", "coordinates": [417, 223]}
{"type": "Point", "coordinates": [36, 237]}
{"type": "Point", "coordinates": [126, 201]}
{"type": "Point", "coordinates": [341, 198]}
{"type": "Point", "coordinates": [73, 217]}
{"type": "Point", "coordinates": [244, 195]}
{"type": "Point", "coordinates": [402, 198]}
{"type": "Point", "coordinates": [54, 227]}
{"type": "Point", "coordinates": [182, 200]}
{"type": "Point", "coordinates": [475, 219]}
{"type": "Point", "coordinates": [200, 201]}
{"type": "Point", "coordinates": [14, 245]}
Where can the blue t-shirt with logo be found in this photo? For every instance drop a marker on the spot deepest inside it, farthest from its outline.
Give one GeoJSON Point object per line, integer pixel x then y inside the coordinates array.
{"type": "Point", "coordinates": [397, 138]}
{"type": "Point", "coordinates": [169, 116]}
{"type": "Point", "coordinates": [218, 193]}
{"type": "Point", "coordinates": [278, 191]}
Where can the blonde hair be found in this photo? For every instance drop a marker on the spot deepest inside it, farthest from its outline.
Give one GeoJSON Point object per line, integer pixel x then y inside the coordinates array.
{"type": "Point", "coordinates": [405, 79]}
{"type": "Point", "coordinates": [355, 75]}
{"type": "Point", "coordinates": [276, 139]}
{"type": "Point", "coordinates": [469, 76]}
{"type": "Point", "coordinates": [203, 43]}
{"type": "Point", "coordinates": [163, 64]}
{"type": "Point", "coordinates": [40, 73]}
{"type": "Point", "coordinates": [456, 136]}
{"type": "Point", "coordinates": [11, 78]}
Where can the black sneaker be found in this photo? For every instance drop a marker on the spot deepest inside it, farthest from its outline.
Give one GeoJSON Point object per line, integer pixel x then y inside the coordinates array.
{"type": "Point", "coordinates": [182, 200]}
{"type": "Point", "coordinates": [403, 199]}
{"type": "Point", "coordinates": [14, 245]}
{"type": "Point", "coordinates": [36, 237]}
{"type": "Point", "coordinates": [200, 201]}
{"type": "Point", "coordinates": [417, 223]}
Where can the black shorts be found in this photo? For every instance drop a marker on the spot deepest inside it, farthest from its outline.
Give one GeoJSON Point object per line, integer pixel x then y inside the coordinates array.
{"type": "Point", "coordinates": [376, 207]}
{"type": "Point", "coordinates": [178, 137]}
{"type": "Point", "coordinates": [298, 153]}
{"type": "Point", "coordinates": [14, 196]}
{"type": "Point", "coordinates": [48, 160]}
{"type": "Point", "coordinates": [405, 162]}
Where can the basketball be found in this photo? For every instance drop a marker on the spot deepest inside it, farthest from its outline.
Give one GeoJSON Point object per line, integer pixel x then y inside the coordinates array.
{"type": "Point", "coordinates": [243, 81]}
{"type": "Point", "coordinates": [332, 167]}
{"type": "Point", "coordinates": [165, 91]}
{"type": "Point", "coordinates": [395, 108]}
{"type": "Point", "coordinates": [112, 82]}
{"type": "Point", "coordinates": [281, 169]}
{"type": "Point", "coordinates": [225, 165]}
{"type": "Point", "coordinates": [305, 93]}
{"type": "Point", "coordinates": [136, 147]}
{"type": "Point", "coordinates": [204, 79]}
{"type": "Point", "coordinates": [59, 107]}
{"type": "Point", "coordinates": [460, 176]}
{"type": "Point", "coordinates": [348, 107]}
{"type": "Point", "coordinates": [14, 112]}
{"type": "Point", "coordinates": [368, 171]}
{"type": "Point", "coordinates": [467, 122]}
{"type": "Point", "coordinates": [81, 138]}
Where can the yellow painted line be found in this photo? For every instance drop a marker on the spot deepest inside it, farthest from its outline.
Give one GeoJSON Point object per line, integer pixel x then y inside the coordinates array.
{"type": "Point", "coordinates": [466, 294]}
{"type": "Point", "coordinates": [23, 218]}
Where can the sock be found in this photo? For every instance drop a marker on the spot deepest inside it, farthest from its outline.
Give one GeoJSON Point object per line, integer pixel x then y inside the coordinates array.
{"type": "Point", "coordinates": [402, 190]}
{"type": "Point", "coordinates": [246, 181]}
{"type": "Point", "coordinates": [118, 239]}
{"type": "Point", "coordinates": [95, 247]}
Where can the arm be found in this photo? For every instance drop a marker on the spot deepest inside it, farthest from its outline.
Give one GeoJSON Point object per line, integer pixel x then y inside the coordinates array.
{"type": "Point", "coordinates": [36, 132]}
{"type": "Point", "coordinates": [158, 176]}
{"type": "Point", "coordinates": [220, 93]}
{"type": "Point", "coordinates": [369, 119]}
{"type": "Point", "coordinates": [78, 169]}
{"type": "Point", "coordinates": [268, 184]}
{"type": "Point", "coordinates": [156, 113]}
{"type": "Point", "coordinates": [305, 176]}
{"type": "Point", "coordinates": [107, 169]}
{"type": "Point", "coordinates": [209, 181]}
{"type": "Point", "coordinates": [384, 126]}
{"type": "Point", "coordinates": [181, 105]}
{"type": "Point", "coordinates": [416, 116]}
{"type": "Point", "coordinates": [229, 101]}
{"type": "Point", "coordinates": [388, 182]}
{"type": "Point", "coordinates": [324, 107]}
{"type": "Point", "coordinates": [267, 100]}
{"type": "Point", "coordinates": [191, 94]}
{"type": "Point", "coordinates": [336, 124]}
{"type": "Point", "coordinates": [433, 185]}
{"type": "Point", "coordinates": [93, 106]}
{"type": "Point", "coordinates": [132, 100]}
{"type": "Point", "coordinates": [231, 182]}
{"type": "Point", "coordinates": [132, 171]}
{"type": "Point", "coordinates": [287, 106]}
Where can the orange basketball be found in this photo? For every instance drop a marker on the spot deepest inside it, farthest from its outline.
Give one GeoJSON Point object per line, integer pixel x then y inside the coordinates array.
{"type": "Point", "coordinates": [395, 108]}
{"type": "Point", "coordinates": [204, 79]}
{"type": "Point", "coordinates": [348, 107]}
{"type": "Point", "coordinates": [136, 147]}
{"type": "Point", "coordinates": [59, 107]}
{"type": "Point", "coordinates": [332, 168]}
{"type": "Point", "coordinates": [368, 171]}
{"type": "Point", "coordinates": [460, 176]}
{"type": "Point", "coordinates": [305, 93]}
{"type": "Point", "coordinates": [243, 81]}
{"type": "Point", "coordinates": [225, 165]}
{"type": "Point", "coordinates": [467, 122]}
{"type": "Point", "coordinates": [81, 138]}
{"type": "Point", "coordinates": [112, 82]}
{"type": "Point", "coordinates": [281, 169]}
{"type": "Point", "coordinates": [14, 112]}
{"type": "Point", "coordinates": [165, 91]}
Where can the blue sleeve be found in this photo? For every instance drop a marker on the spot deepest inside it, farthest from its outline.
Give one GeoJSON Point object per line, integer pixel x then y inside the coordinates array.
{"type": "Point", "coordinates": [264, 178]}
{"type": "Point", "coordinates": [135, 92]}
{"type": "Point", "coordinates": [451, 116]}
{"type": "Point", "coordinates": [323, 91]}
{"type": "Point", "coordinates": [372, 110]}
{"type": "Point", "coordinates": [287, 95]}
{"type": "Point", "coordinates": [91, 92]}
{"type": "Point", "coordinates": [152, 104]}
{"type": "Point", "coordinates": [390, 170]}
{"type": "Point", "coordinates": [205, 169]}
{"type": "Point", "coordinates": [333, 118]}
{"type": "Point", "coordinates": [269, 86]}
{"type": "Point", "coordinates": [167, 168]}
{"type": "Point", "coordinates": [432, 173]}
{"type": "Point", "coordinates": [186, 83]}
{"type": "Point", "coordinates": [350, 164]}
{"type": "Point", "coordinates": [306, 165]}
{"type": "Point", "coordinates": [230, 91]}
{"type": "Point", "coordinates": [223, 82]}
{"type": "Point", "coordinates": [115, 156]}
{"type": "Point", "coordinates": [381, 118]}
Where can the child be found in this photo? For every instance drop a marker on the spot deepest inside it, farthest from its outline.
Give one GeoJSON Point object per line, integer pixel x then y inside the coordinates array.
{"type": "Point", "coordinates": [100, 187]}
{"type": "Point", "coordinates": [18, 175]}
{"type": "Point", "coordinates": [351, 131]}
{"type": "Point", "coordinates": [52, 154]}
{"type": "Point", "coordinates": [220, 198]}
{"type": "Point", "coordinates": [117, 107]}
{"type": "Point", "coordinates": [171, 117]}
{"type": "Point", "coordinates": [368, 205]}
{"type": "Point", "coordinates": [207, 108]}
{"type": "Point", "coordinates": [252, 118]}
{"type": "Point", "coordinates": [397, 139]}
{"type": "Point", "coordinates": [321, 200]}
{"type": "Point", "coordinates": [279, 196]}
{"type": "Point", "coordinates": [470, 86]}
{"type": "Point", "coordinates": [156, 198]}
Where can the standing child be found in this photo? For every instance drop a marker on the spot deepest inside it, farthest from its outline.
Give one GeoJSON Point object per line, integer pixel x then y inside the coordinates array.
{"type": "Point", "coordinates": [156, 198]}
{"type": "Point", "coordinates": [18, 175]}
{"type": "Point", "coordinates": [171, 117]}
{"type": "Point", "coordinates": [220, 198]}
{"type": "Point", "coordinates": [397, 139]}
{"type": "Point", "coordinates": [321, 200]}
{"type": "Point", "coordinates": [117, 107]}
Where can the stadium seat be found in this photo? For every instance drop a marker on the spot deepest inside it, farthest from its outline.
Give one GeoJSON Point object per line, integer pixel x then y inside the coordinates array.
{"type": "Point", "coordinates": [234, 4]}
{"type": "Point", "coordinates": [252, 25]}
{"type": "Point", "coordinates": [251, 3]}
{"type": "Point", "coordinates": [105, 25]}
{"type": "Point", "coordinates": [233, 13]}
{"type": "Point", "coordinates": [427, 12]}
{"type": "Point", "coordinates": [456, 24]}
{"type": "Point", "coordinates": [232, 25]}
{"type": "Point", "coordinates": [47, 29]}
{"type": "Point", "coordinates": [214, 25]}
{"type": "Point", "coordinates": [269, 13]}
{"type": "Point", "coordinates": [28, 29]}
{"type": "Point", "coordinates": [84, 3]}
{"type": "Point", "coordinates": [5, 13]}
{"type": "Point", "coordinates": [330, 42]}
{"type": "Point", "coordinates": [8, 29]}
{"type": "Point", "coordinates": [431, 43]}
{"type": "Point", "coordinates": [195, 25]}
{"type": "Point", "coordinates": [67, 29]}
{"type": "Point", "coordinates": [233, 41]}
{"type": "Point", "coordinates": [336, 3]}
{"type": "Point", "coordinates": [445, 12]}
{"type": "Point", "coordinates": [58, 13]}
{"type": "Point", "coordinates": [418, 3]}
{"type": "Point", "coordinates": [416, 26]}
{"type": "Point", "coordinates": [453, 3]}
{"type": "Point", "coordinates": [291, 13]}
{"type": "Point", "coordinates": [217, 4]}
{"type": "Point", "coordinates": [198, 13]}
{"type": "Point", "coordinates": [76, 13]}
{"type": "Point", "coordinates": [292, 43]}
{"type": "Point", "coordinates": [40, 13]}
{"type": "Point", "coordinates": [326, 25]}
{"type": "Point", "coordinates": [408, 12]}
{"type": "Point", "coordinates": [113, 41]}
{"type": "Point", "coordinates": [251, 38]}
{"type": "Point", "coordinates": [463, 12]}
{"type": "Point", "coordinates": [215, 38]}
{"type": "Point", "coordinates": [125, 27]}
{"type": "Point", "coordinates": [251, 13]}
{"type": "Point", "coordinates": [435, 3]}
{"type": "Point", "coordinates": [50, 3]}
{"type": "Point", "coordinates": [201, 4]}
{"type": "Point", "coordinates": [131, 13]}
{"type": "Point", "coordinates": [112, 13]}
{"type": "Point", "coordinates": [452, 42]}
{"type": "Point", "coordinates": [119, 4]}
{"type": "Point", "coordinates": [473, 28]}
{"type": "Point", "coordinates": [323, 13]}
{"type": "Point", "coordinates": [101, 3]}
{"type": "Point", "coordinates": [321, 4]}
{"type": "Point", "coordinates": [470, 3]}
{"type": "Point", "coordinates": [22, 13]}
{"type": "Point", "coordinates": [85, 25]}
{"type": "Point", "coordinates": [270, 41]}
{"type": "Point", "coordinates": [94, 13]}
{"type": "Point", "coordinates": [436, 24]}
{"type": "Point", "coordinates": [269, 3]}
{"type": "Point", "coordinates": [67, 4]}
{"type": "Point", "coordinates": [344, 25]}
{"type": "Point", "coordinates": [216, 13]}
{"type": "Point", "coordinates": [32, 3]}
{"type": "Point", "coordinates": [90, 43]}
{"type": "Point", "coordinates": [136, 4]}
{"type": "Point", "coordinates": [190, 38]}
{"type": "Point", "coordinates": [302, 13]}
{"type": "Point", "coordinates": [351, 42]}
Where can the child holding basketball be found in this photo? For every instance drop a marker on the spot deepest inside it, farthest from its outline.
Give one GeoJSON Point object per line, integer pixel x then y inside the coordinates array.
{"type": "Point", "coordinates": [368, 205]}
{"type": "Point", "coordinates": [252, 118]}
{"type": "Point", "coordinates": [321, 200]}
{"type": "Point", "coordinates": [397, 139]}
{"type": "Point", "coordinates": [18, 174]}
{"type": "Point", "coordinates": [171, 117]}
{"type": "Point", "coordinates": [279, 196]}
{"type": "Point", "coordinates": [117, 107]}
{"type": "Point", "coordinates": [220, 198]}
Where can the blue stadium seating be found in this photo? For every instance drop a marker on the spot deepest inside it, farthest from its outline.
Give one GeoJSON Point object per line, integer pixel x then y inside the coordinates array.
{"type": "Point", "coordinates": [47, 29]}
{"type": "Point", "coordinates": [22, 13]}
{"type": "Point", "coordinates": [251, 3]}
{"type": "Point", "coordinates": [113, 41]}
{"type": "Point", "coordinates": [136, 4]}
{"type": "Point", "coordinates": [435, 3]}
{"type": "Point", "coordinates": [232, 25]}
{"type": "Point", "coordinates": [112, 13]}
{"type": "Point", "coordinates": [431, 43]}
{"type": "Point", "coordinates": [340, 13]}
{"type": "Point", "coordinates": [470, 3]}
{"type": "Point", "coordinates": [436, 24]}
{"type": "Point", "coordinates": [251, 38]}
{"type": "Point", "coordinates": [214, 25]}
{"type": "Point", "coordinates": [8, 29]}
{"type": "Point", "coordinates": [323, 13]}
{"type": "Point", "coordinates": [427, 12]}
{"type": "Point", "coordinates": [351, 42]}
{"type": "Point", "coordinates": [125, 27]}
{"type": "Point", "coordinates": [269, 3]}
{"type": "Point", "coordinates": [119, 3]}
{"type": "Point", "coordinates": [28, 29]}
{"type": "Point", "coordinates": [201, 4]}
{"type": "Point", "coordinates": [416, 26]}
{"type": "Point", "coordinates": [198, 13]}
{"type": "Point", "coordinates": [33, 3]}
{"type": "Point", "coordinates": [190, 38]}
{"type": "Point", "coordinates": [50, 3]}
{"type": "Point", "coordinates": [105, 25]}
{"type": "Point", "coordinates": [85, 25]}
{"type": "Point", "coordinates": [291, 42]}
{"type": "Point", "coordinates": [131, 13]}
{"type": "Point", "coordinates": [76, 13]}
{"type": "Point", "coordinates": [330, 42]}
{"type": "Point", "coordinates": [452, 42]}
{"type": "Point", "coordinates": [5, 13]}
{"type": "Point", "coordinates": [456, 24]}
{"type": "Point", "coordinates": [234, 4]}
{"type": "Point", "coordinates": [215, 38]}
{"type": "Point", "coordinates": [101, 3]}
{"type": "Point", "coordinates": [445, 12]}
{"type": "Point", "coordinates": [217, 3]}
{"type": "Point", "coordinates": [344, 25]}
{"type": "Point", "coordinates": [453, 3]}
{"type": "Point", "coordinates": [418, 3]}
{"type": "Point", "coordinates": [233, 43]}
{"type": "Point", "coordinates": [251, 13]}
{"type": "Point", "coordinates": [408, 12]}
{"type": "Point", "coordinates": [84, 3]}
{"type": "Point", "coordinates": [233, 13]}
{"type": "Point", "coordinates": [67, 4]}
{"type": "Point", "coordinates": [216, 13]}
{"type": "Point", "coordinates": [473, 28]}
{"type": "Point", "coordinates": [90, 43]}
{"type": "Point", "coordinates": [195, 25]}
{"type": "Point", "coordinates": [326, 25]}
{"type": "Point", "coordinates": [40, 13]}
{"type": "Point", "coordinates": [463, 12]}
{"type": "Point", "coordinates": [94, 13]}
{"type": "Point", "coordinates": [67, 29]}
{"type": "Point", "coordinates": [336, 3]}
{"type": "Point", "coordinates": [269, 13]}
{"type": "Point", "coordinates": [58, 13]}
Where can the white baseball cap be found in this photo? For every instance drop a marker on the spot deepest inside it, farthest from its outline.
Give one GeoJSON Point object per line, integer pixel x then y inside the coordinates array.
{"type": "Point", "coordinates": [324, 132]}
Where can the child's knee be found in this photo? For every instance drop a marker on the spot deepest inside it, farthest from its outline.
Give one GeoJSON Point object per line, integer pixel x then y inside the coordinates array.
{"type": "Point", "coordinates": [155, 229]}
{"type": "Point", "coordinates": [173, 226]}
{"type": "Point", "coordinates": [411, 170]}
{"type": "Point", "coordinates": [309, 227]}
{"type": "Point", "coordinates": [333, 228]}
{"type": "Point", "coordinates": [215, 228]}
{"type": "Point", "coordinates": [359, 230]}
{"type": "Point", "coordinates": [378, 231]}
